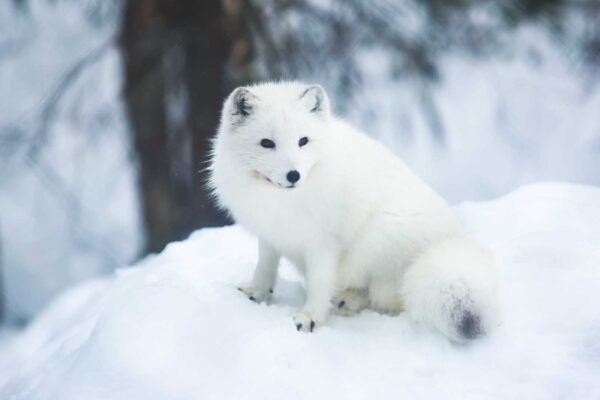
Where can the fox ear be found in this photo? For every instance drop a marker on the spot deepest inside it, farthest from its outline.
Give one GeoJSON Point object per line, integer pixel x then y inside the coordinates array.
{"type": "Point", "coordinates": [242, 103]}
{"type": "Point", "coordinates": [315, 100]}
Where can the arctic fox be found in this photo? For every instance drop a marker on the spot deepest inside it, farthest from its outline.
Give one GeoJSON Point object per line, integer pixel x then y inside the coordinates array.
{"type": "Point", "coordinates": [361, 227]}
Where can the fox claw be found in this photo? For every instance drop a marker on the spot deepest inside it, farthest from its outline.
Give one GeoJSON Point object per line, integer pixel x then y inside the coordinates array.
{"type": "Point", "coordinates": [304, 323]}
{"type": "Point", "coordinates": [256, 295]}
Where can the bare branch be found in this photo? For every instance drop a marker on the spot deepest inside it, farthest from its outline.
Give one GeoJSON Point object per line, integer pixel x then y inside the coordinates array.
{"type": "Point", "coordinates": [52, 101]}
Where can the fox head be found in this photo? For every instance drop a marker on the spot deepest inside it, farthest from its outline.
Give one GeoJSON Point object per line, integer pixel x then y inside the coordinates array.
{"type": "Point", "coordinates": [277, 132]}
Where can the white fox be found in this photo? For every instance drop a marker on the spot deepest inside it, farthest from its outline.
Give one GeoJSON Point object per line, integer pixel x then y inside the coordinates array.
{"type": "Point", "coordinates": [361, 227]}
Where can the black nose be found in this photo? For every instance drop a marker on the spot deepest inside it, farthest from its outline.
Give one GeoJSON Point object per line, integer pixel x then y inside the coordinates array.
{"type": "Point", "coordinates": [293, 176]}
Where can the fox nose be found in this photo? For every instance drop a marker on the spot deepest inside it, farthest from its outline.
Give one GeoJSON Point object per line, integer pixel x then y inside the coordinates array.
{"type": "Point", "coordinates": [293, 176]}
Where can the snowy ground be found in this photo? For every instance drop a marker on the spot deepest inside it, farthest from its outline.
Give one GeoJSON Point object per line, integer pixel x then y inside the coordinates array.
{"type": "Point", "coordinates": [174, 327]}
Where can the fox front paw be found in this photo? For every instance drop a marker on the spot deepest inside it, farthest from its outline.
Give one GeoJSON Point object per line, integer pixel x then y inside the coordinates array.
{"type": "Point", "coordinates": [256, 295]}
{"type": "Point", "coordinates": [304, 322]}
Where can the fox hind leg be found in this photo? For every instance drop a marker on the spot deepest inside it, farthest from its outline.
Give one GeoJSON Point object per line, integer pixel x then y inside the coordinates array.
{"type": "Point", "coordinates": [350, 301]}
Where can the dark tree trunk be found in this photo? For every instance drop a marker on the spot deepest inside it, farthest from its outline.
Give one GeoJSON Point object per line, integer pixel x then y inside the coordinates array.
{"type": "Point", "coordinates": [175, 56]}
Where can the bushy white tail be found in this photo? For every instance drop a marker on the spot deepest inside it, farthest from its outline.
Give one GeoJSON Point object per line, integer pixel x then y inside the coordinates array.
{"type": "Point", "coordinates": [452, 287]}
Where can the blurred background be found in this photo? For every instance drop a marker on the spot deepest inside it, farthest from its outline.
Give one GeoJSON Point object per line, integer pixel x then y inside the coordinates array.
{"type": "Point", "coordinates": [107, 108]}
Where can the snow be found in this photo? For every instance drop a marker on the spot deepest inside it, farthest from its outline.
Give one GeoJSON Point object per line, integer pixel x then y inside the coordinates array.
{"type": "Point", "coordinates": [175, 327]}
{"type": "Point", "coordinates": [67, 185]}
{"type": "Point", "coordinates": [526, 113]}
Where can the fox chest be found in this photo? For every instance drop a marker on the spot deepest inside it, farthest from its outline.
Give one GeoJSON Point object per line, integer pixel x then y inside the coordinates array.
{"type": "Point", "coordinates": [289, 227]}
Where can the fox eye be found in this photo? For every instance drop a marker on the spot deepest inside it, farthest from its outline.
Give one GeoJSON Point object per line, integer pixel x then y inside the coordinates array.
{"type": "Point", "coordinates": [303, 141]}
{"type": "Point", "coordinates": [267, 144]}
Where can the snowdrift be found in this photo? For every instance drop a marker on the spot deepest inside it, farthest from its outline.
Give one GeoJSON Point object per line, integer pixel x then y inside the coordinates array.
{"type": "Point", "coordinates": [174, 327]}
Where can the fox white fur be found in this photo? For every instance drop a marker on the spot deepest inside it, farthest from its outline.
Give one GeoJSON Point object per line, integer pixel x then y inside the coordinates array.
{"type": "Point", "coordinates": [361, 227]}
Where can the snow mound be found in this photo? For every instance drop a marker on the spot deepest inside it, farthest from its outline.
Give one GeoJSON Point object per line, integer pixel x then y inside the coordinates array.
{"type": "Point", "coordinates": [174, 327]}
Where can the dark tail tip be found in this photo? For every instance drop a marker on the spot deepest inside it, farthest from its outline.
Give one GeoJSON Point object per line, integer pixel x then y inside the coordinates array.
{"type": "Point", "coordinates": [469, 325]}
